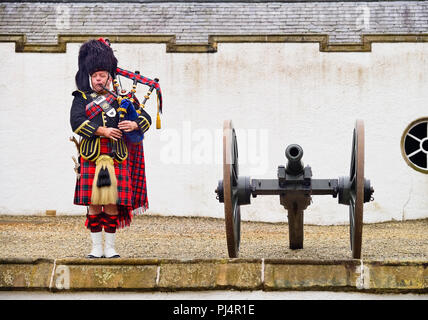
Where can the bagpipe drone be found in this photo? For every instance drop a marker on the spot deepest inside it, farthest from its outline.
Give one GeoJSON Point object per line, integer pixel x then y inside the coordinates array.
{"type": "Point", "coordinates": [126, 100]}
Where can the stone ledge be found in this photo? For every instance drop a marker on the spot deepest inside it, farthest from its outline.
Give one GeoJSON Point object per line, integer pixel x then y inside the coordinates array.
{"type": "Point", "coordinates": [22, 46]}
{"type": "Point", "coordinates": [306, 275]}
{"type": "Point", "coordinates": [167, 275]}
{"type": "Point", "coordinates": [25, 274]}
{"type": "Point", "coordinates": [211, 274]}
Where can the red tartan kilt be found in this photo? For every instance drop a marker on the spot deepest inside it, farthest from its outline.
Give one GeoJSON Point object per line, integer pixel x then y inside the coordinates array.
{"type": "Point", "coordinates": [83, 191]}
{"type": "Point", "coordinates": [136, 164]}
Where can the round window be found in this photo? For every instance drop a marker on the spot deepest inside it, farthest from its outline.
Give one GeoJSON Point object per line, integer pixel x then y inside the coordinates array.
{"type": "Point", "coordinates": [414, 145]}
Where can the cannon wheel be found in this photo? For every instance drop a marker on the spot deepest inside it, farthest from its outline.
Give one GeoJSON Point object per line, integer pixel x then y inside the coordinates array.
{"type": "Point", "coordinates": [356, 201]}
{"type": "Point", "coordinates": [232, 210]}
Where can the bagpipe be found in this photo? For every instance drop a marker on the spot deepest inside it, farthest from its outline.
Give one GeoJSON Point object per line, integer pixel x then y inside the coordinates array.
{"type": "Point", "coordinates": [126, 110]}
{"type": "Point", "coordinates": [127, 100]}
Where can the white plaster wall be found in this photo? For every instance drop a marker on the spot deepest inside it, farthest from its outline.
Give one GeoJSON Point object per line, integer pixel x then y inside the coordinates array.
{"type": "Point", "coordinates": [276, 94]}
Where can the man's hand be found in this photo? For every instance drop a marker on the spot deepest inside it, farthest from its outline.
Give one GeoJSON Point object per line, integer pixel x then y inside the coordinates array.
{"type": "Point", "coordinates": [111, 133]}
{"type": "Point", "coordinates": [128, 126]}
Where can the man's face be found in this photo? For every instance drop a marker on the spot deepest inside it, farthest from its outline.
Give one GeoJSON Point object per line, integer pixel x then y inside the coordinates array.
{"type": "Point", "coordinates": [100, 79]}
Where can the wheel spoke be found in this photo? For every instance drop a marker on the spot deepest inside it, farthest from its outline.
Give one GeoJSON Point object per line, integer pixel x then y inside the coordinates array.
{"type": "Point", "coordinates": [414, 137]}
{"type": "Point", "coordinates": [352, 182]}
{"type": "Point", "coordinates": [234, 194]}
{"type": "Point", "coordinates": [427, 161]}
{"type": "Point", "coordinates": [354, 151]}
{"type": "Point", "coordinates": [235, 172]}
{"type": "Point", "coordinates": [413, 153]}
{"type": "Point", "coordinates": [237, 226]}
{"type": "Point", "coordinates": [234, 175]}
{"type": "Point", "coordinates": [351, 219]}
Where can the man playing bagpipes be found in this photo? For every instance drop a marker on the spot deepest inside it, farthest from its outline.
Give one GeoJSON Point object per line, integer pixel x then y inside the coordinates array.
{"type": "Point", "coordinates": [111, 179]}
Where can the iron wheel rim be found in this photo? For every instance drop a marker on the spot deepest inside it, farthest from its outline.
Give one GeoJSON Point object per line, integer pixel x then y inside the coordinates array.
{"type": "Point", "coordinates": [356, 201]}
{"type": "Point", "coordinates": [232, 210]}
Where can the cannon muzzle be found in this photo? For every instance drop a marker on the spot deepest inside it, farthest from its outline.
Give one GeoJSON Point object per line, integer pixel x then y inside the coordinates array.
{"type": "Point", "coordinates": [294, 154]}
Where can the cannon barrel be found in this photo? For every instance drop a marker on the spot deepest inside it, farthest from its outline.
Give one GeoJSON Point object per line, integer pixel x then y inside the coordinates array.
{"type": "Point", "coordinates": [294, 154]}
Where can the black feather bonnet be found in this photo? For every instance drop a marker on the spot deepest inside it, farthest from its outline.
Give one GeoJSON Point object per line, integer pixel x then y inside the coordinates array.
{"type": "Point", "coordinates": [94, 55]}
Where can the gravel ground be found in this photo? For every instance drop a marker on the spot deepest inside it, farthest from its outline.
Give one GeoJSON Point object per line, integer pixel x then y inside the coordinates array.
{"type": "Point", "coordinates": [152, 236]}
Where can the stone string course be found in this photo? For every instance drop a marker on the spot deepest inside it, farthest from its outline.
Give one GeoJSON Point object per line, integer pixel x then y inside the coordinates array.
{"type": "Point", "coordinates": [194, 22]}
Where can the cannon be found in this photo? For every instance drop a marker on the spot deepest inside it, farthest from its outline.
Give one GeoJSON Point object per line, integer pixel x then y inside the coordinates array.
{"type": "Point", "coordinates": [295, 186]}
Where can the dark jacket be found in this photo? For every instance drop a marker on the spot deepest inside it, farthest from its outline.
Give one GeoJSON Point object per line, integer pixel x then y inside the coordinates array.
{"type": "Point", "coordinates": [85, 127]}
